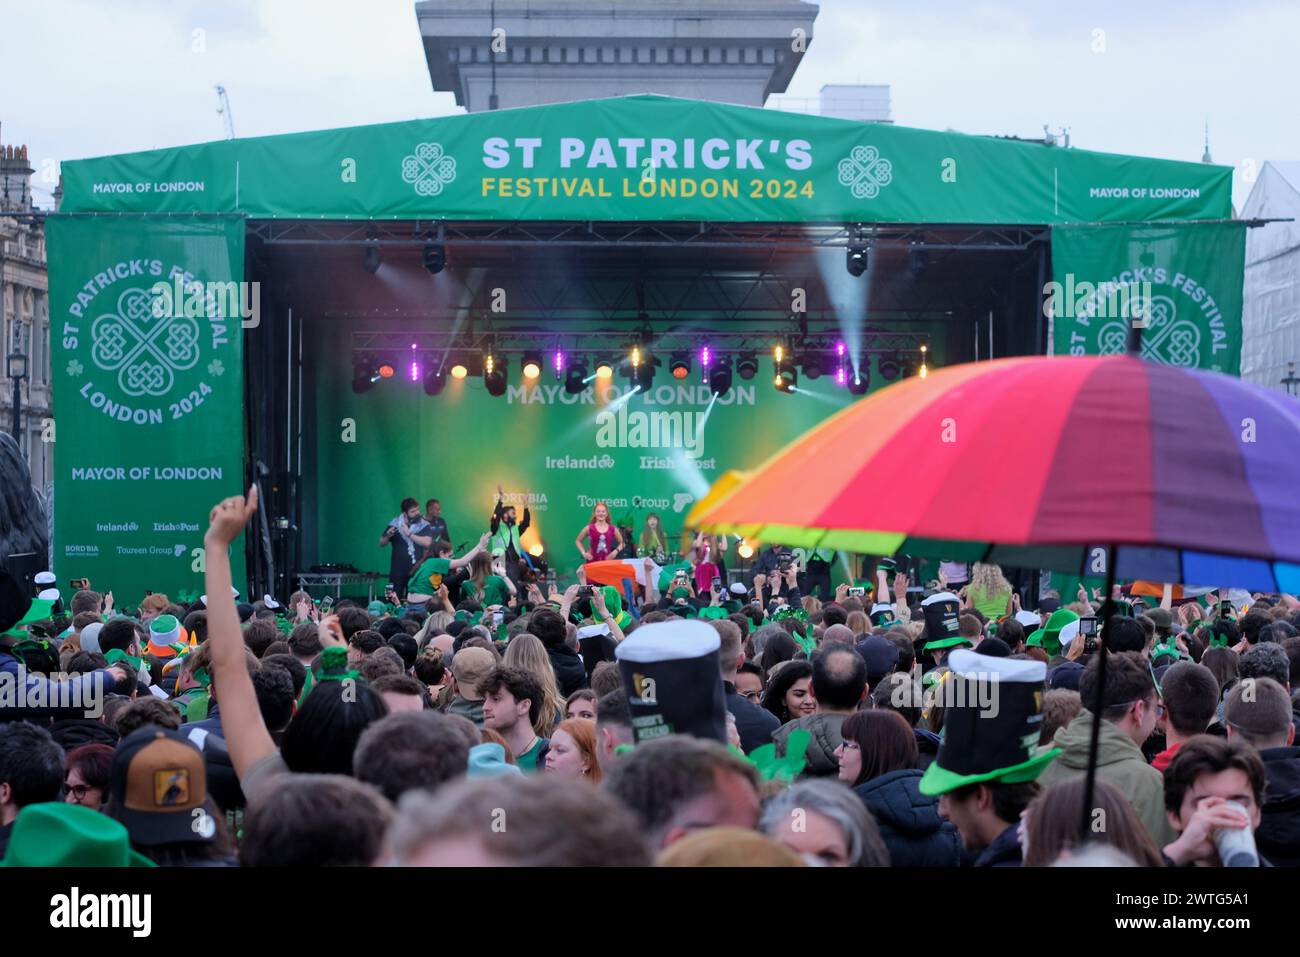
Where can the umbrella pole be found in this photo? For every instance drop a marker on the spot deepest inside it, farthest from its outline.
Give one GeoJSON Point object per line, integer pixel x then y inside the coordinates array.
{"type": "Point", "coordinates": [1090, 780]}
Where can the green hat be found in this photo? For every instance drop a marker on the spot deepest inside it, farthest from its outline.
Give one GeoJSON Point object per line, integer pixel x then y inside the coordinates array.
{"type": "Point", "coordinates": [1166, 646]}
{"type": "Point", "coordinates": [58, 834]}
{"type": "Point", "coordinates": [39, 610]}
{"type": "Point", "coordinates": [711, 612]}
{"type": "Point", "coordinates": [1057, 634]}
{"type": "Point", "coordinates": [993, 713]}
{"type": "Point", "coordinates": [377, 607]}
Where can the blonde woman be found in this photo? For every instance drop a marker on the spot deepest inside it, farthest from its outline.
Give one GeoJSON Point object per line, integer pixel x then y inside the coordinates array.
{"type": "Point", "coordinates": [859, 623]}
{"type": "Point", "coordinates": [527, 652]}
{"type": "Point", "coordinates": [989, 592]}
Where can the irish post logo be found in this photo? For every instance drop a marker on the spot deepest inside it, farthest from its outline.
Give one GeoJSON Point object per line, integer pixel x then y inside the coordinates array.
{"type": "Point", "coordinates": [141, 355]}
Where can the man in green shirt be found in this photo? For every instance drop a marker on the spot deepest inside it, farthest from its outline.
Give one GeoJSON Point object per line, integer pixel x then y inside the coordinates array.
{"type": "Point", "coordinates": [428, 578]}
{"type": "Point", "coordinates": [511, 701]}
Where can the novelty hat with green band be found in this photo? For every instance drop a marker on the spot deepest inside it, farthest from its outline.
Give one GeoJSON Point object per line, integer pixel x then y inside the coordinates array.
{"type": "Point", "coordinates": [164, 633]}
{"type": "Point", "coordinates": [1056, 635]}
{"type": "Point", "coordinates": [942, 629]}
{"type": "Point", "coordinates": [992, 719]}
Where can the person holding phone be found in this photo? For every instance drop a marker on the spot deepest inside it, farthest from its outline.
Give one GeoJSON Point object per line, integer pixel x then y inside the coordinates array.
{"type": "Point", "coordinates": [706, 552]}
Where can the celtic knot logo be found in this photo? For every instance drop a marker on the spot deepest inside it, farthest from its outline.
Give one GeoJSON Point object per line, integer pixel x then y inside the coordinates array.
{"type": "Point", "coordinates": [428, 169]}
{"type": "Point", "coordinates": [1165, 338]}
{"type": "Point", "coordinates": [865, 171]}
{"type": "Point", "coordinates": [145, 359]}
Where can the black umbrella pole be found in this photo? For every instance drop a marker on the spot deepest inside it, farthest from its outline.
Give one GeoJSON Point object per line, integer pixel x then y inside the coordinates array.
{"type": "Point", "coordinates": [1098, 701]}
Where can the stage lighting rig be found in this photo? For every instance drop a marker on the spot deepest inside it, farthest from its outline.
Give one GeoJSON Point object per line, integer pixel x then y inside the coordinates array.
{"type": "Point", "coordinates": [859, 381]}
{"type": "Point", "coordinates": [680, 365]}
{"type": "Point", "coordinates": [434, 257]}
{"type": "Point", "coordinates": [747, 365]}
{"type": "Point", "coordinates": [494, 374]}
{"type": "Point", "coordinates": [720, 376]}
{"type": "Point", "coordinates": [787, 376]}
{"type": "Point", "coordinates": [575, 376]}
{"type": "Point", "coordinates": [532, 365]}
{"type": "Point", "coordinates": [856, 260]}
{"type": "Point", "coordinates": [889, 366]}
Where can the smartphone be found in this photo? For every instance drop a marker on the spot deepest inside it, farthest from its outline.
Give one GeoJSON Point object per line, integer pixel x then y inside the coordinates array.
{"type": "Point", "coordinates": [717, 583]}
{"type": "Point", "coordinates": [326, 603]}
{"type": "Point", "coordinates": [83, 584]}
{"type": "Point", "coordinates": [857, 591]}
{"type": "Point", "coordinates": [1088, 628]}
{"type": "Point", "coordinates": [497, 617]}
{"type": "Point", "coordinates": [584, 591]}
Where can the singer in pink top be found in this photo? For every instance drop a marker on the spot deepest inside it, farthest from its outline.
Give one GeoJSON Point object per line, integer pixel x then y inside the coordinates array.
{"type": "Point", "coordinates": [600, 540]}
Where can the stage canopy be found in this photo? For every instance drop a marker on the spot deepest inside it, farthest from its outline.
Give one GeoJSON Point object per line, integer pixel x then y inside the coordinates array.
{"type": "Point", "coordinates": [649, 158]}
{"type": "Point", "coordinates": [160, 411]}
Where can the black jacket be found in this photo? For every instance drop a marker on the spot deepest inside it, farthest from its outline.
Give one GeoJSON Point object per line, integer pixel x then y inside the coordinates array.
{"type": "Point", "coordinates": [74, 732]}
{"type": "Point", "coordinates": [570, 674]}
{"type": "Point", "coordinates": [755, 724]}
{"type": "Point", "coordinates": [1278, 835]}
{"type": "Point", "coordinates": [1005, 850]}
{"type": "Point", "coordinates": [909, 821]}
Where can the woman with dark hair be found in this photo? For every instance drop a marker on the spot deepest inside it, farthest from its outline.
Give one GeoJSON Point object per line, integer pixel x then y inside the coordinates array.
{"type": "Point", "coordinates": [779, 647]}
{"type": "Point", "coordinates": [1223, 662]}
{"type": "Point", "coordinates": [878, 759]}
{"type": "Point", "coordinates": [789, 690]}
{"type": "Point", "coordinates": [85, 781]}
{"type": "Point", "coordinates": [323, 733]}
{"type": "Point", "coordinates": [1050, 826]}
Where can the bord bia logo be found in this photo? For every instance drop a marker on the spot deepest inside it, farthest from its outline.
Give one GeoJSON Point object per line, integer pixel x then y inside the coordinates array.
{"type": "Point", "coordinates": [146, 352]}
{"type": "Point", "coordinates": [428, 169]}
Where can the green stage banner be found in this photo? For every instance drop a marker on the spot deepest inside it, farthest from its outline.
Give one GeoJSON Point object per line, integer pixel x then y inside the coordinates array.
{"type": "Point", "coordinates": [1183, 281]}
{"type": "Point", "coordinates": [557, 454]}
{"type": "Point", "coordinates": [650, 158]}
{"type": "Point", "coordinates": [146, 317]}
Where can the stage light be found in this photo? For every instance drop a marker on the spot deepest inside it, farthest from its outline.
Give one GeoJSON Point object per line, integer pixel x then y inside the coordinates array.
{"type": "Point", "coordinates": [435, 257]}
{"type": "Point", "coordinates": [680, 365]}
{"type": "Point", "coordinates": [386, 370]}
{"type": "Point", "coordinates": [706, 360]}
{"type": "Point", "coordinates": [434, 382]}
{"type": "Point", "coordinates": [537, 550]}
{"type": "Point", "coordinates": [720, 376]}
{"type": "Point", "coordinates": [557, 360]}
{"type": "Point", "coordinates": [459, 370]}
{"type": "Point", "coordinates": [841, 366]}
{"type": "Point", "coordinates": [860, 381]}
{"type": "Point", "coordinates": [494, 375]}
{"type": "Point", "coordinates": [924, 371]}
{"type": "Point", "coordinates": [856, 260]}
{"type": "Point", "coordinates": [787, 376]}
{"type": "Point", "coordinates": [745, 550]}
{"type": "Point", "coordinates": [364, 377]}
{"type": "Point", "coordinates": [413, 367]}
{"type": "Point", "coordinates": [575, 380]}
{"type": "Point", "coordinates": [813, 363]}
{"type": "Point", "coordinates": [604, 369]}
{"type": "Point", "coordinates": [889, 367]}
{"type": "Point", "coordinates": [372, 262]}
{"type": "Point", "coordinates": [747, 365]}
{"type": "Point", "coordinates": [532, 364]}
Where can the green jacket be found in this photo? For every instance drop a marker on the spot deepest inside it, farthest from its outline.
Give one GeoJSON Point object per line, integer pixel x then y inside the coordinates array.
{"type": "Point", "coordinates": [1120, 763]}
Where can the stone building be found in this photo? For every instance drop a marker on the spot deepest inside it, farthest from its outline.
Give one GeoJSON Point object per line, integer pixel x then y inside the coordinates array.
{"type": "Point", "coordinates": [24, 313]}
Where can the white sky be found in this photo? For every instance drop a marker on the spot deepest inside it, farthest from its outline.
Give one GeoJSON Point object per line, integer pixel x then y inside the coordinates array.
{"type": "Point", "coordinates": [93, 77]}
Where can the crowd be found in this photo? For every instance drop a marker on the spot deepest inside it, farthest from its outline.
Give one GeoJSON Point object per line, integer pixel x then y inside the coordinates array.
{"type": "Point", "coordinates": [647, 714]}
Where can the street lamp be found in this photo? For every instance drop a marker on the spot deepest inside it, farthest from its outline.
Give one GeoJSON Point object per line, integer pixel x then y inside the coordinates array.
{"type": "Point", "coordinates": [1291, 380]}
{"type": "Point", "coordinates": [17, 372]}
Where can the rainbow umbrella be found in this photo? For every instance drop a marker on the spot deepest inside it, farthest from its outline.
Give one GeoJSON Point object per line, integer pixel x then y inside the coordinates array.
{"type": "Point", "coordinates": [1034, 462]}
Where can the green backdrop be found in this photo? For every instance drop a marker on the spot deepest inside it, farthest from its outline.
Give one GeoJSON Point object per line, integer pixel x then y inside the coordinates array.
{"type": "Point", "coordinates": [554, 452]}
{"type": "Point", "coordinates": [150, 408]}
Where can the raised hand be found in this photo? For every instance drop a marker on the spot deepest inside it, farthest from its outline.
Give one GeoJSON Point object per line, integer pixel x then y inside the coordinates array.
{"type": "Point", "coordinates": [229, 517]}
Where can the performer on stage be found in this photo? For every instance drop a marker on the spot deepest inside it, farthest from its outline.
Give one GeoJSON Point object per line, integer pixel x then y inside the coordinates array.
{"type": "Point", "coordinates": [600, 540]}
{"type": "Point", "coordinates": [505, 535]}
{"type": "Point", "coordinates": [429, 580]}
{"type": "Point", "coordinates": [653, 543]}
{"type": "Point", "coordinates": [706, 554]}
{"type": "Point", "coordinates": [409, 537]}
{"type": "Point", "coordinates": [437, 524]}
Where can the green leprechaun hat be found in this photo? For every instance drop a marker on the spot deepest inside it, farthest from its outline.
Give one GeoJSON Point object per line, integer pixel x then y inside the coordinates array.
{"type": "Point", "coordinates": [1055, 636]}
{"type": "Point", "coordinates": [992, 719]}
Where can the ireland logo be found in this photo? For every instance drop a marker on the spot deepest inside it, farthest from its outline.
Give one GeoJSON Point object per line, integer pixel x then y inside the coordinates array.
{"type": "Point", "coordinates": [428, 169]}
{"type": "Point", "coordinates": [146, 359]}
{"type": "Point", "coordinates": [865, 171]}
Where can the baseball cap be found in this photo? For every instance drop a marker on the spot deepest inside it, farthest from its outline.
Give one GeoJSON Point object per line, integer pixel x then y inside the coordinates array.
{"type": "Point", "coordinates": [160, 783]}
{"type": "Point", "coordinates": [880, 654]}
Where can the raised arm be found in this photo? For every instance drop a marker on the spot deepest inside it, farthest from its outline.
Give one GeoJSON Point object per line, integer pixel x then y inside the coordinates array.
{"type": "Point", "coordinates": [241, 718]}
{"type": "Point", "coordinates": [470, 555]}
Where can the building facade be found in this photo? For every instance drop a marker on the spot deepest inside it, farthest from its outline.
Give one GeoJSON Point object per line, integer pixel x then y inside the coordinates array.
{"type": "Point", "coordinates": [499, 54]}
{"type": "Point", "coordinates": [24, 316]}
